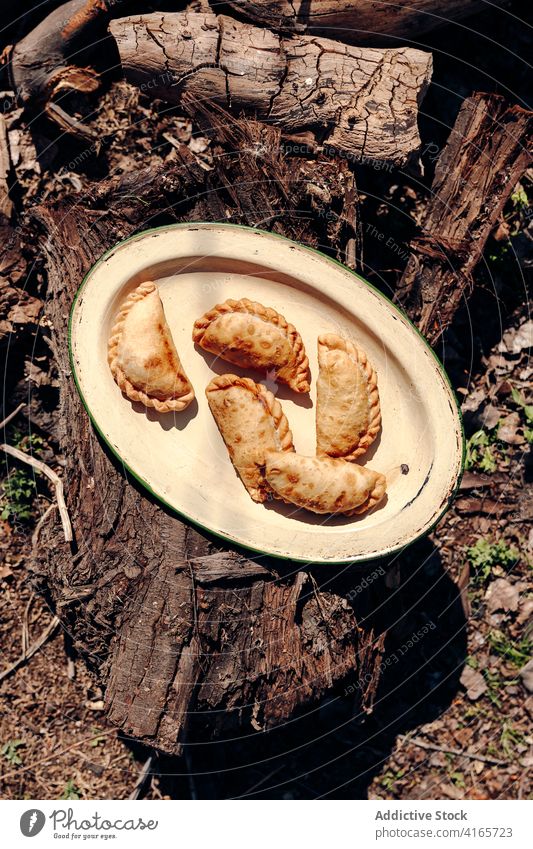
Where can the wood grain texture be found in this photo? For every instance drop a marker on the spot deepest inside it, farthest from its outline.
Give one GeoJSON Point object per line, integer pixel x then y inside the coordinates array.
{"type": "Point", "coordinates": [487, 152]}
{"type": "Point", "coordinates": [359, 21]}
{"type": "Point", "coordinates": [359, 101]}
{"type": "Point", "coordinates": [172, 625]}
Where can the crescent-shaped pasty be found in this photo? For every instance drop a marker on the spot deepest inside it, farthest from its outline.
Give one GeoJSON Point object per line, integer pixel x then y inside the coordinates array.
{"type": "Point", "coordinates": [324, 485]}
{"type": "Point", "coordinates": [142, 355]}
{"type": "Point", "coordinates": [250, 335]}
{"type": "Point", "coordinates": [252, 423]}
{"type": "Point", "coordinates": [348, 414]}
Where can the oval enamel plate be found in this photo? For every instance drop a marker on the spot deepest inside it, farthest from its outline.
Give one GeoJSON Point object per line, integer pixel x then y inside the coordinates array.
{"type": "Point", "coordinates": [181, 458]}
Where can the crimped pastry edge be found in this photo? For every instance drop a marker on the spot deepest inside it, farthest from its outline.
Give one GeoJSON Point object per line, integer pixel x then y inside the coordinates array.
{"type": "Point", "coordinates": [333, 342]}
{"type": "Point", "coordinates": [373, 499]}
{"type": "Point", "coordinates": [134, 394]}
{"type": "Point", "coordinates": [300, 382]}
{"type": "Point", "coordinates": [225, 381]}
{"type": "Point", "coordinates": [377, 494]}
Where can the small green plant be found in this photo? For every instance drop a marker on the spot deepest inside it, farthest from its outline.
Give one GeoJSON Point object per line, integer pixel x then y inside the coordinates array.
{"type": "Point", "coordinates": [10, 752]}
{"type": "Point", "coordinates": [390, 778]}
{"type": "Point", "coordinates": [484, 555]}
{"type": "Point", "coordinates": [517, 653]}
{"type": "Point", "coordinates": [18, 492]}
{"type": "Point", "coordinates": [527, 412]}
{"type": "Point", "coordinates": [494, 684]}
{"type": "Point", "coordinates": [98, 739]}
{"type": "Point", "coordinates": [71, 791]}
{"type": "Point", "coordinates": [19, 487]}
{"type": "Point", "coordinates": [481, 452]}
{"type": "Point", "coordinates": [458, 779]}
{"type": "Point", "coordinates": [520, 198]}
{"type": "Point", "coordinates": [510, 738]}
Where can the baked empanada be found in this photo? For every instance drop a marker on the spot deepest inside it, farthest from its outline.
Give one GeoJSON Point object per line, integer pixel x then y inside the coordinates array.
{"type": "Point", "coordinates": [323, 485]}
{"type": "Point", "coordinates": [348, 415]}
{"type": "Point", "coordinates": [250, 335]}
{"type": "Point", "coordinates": [142, 355]}
{"type": "Point", "coordinates": [251, 422]}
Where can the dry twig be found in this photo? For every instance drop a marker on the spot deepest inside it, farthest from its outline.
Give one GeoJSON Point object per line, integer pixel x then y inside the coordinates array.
{"type": "Point", "coordinates": [55, 480]}
{"type": "Point", "coordinates": [33, 649]}
{"type": "Point", "coordinates": [430, 747]}
{"type": "Point", "coordinates": [53, 755]}
{"type": "Point", "coordinates": [11, 416]}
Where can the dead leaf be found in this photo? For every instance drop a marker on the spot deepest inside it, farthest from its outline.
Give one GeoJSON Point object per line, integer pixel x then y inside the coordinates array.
{"type": "Point", "coordinates": [474, 401]}
{"type": "Point", "coordinates": [490, 416]}
{"type": "Point", "coordinates": [502, 595]}
{"type": "Point", "coordinates": [5, 572]}
{"type": "Point", "coordinates": [526, 611]}
{"type": "Point", "coordinates": [508, 430]}
{"type": "Point", "coordinates": [516, 340]}
{"type": "Point", "coordinates": [473, 682]}
{"type": "Point", "coordinates": [526, 674]}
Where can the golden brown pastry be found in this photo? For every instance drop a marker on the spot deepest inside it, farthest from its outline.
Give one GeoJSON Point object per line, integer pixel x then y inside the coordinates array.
{"type": "Point", "coordinates": [142, 355]}
{"type": "Point", "coordinates": [323, 485]}
{"type": "Point", "coordinates": [251, 422]}
{"type": "Point", "coordinates": [250, 335]}
{"type": "Point", "coordinates": [348, 414]}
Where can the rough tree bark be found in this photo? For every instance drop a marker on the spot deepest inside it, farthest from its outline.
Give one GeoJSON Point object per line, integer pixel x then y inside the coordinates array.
{"type": "Point", "coordinates": [171, 623]}
{"type": "Point", "coordinates": [54, 57]}
{"type": "Point", "coordinates": [487, 152]}
{"type": "Point", "coordinates": [19, 311]}
{"type": "Point", "coordinates": [359, 21]}
{"type": "Point", "coordinates": [361, 102]}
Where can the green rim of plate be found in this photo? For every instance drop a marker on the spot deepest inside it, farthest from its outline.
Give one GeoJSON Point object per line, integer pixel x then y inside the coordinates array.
{"type": "Point", "coordinates": [224, 537]}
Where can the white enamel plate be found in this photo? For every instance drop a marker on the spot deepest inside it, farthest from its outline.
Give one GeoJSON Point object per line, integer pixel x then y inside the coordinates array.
{"type": "Point", "coordinates": [181, 458]}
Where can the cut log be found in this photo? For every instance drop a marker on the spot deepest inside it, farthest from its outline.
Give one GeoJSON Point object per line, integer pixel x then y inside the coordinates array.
{"type": "Point", "coordinates": [359, 21]}
{"type": "Point", "coordinates": [169, 622]}
{"type": "Point", "coordinates": [360, 102]}
{"type": "Point", "coordinates": [487, 152]}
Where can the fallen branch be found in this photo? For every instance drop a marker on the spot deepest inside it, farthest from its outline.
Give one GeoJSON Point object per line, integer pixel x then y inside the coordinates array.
{"type": "Point", "coordinates": [12, 415]}
{"type": "Point", "coordinates": [52, 477]}
{"type": "Point", "coordinates": [54, 57]}
{"type": "Point", "coordinates": [430, 747]}
{"type": "Point", "coordinates": [486, 154]}
{"type": "Point", "coordinates": [360, 102]}
{"type": "Point", "coordinates": [33, 649]}
{"type": "Point", "coordinates": [359, 21]}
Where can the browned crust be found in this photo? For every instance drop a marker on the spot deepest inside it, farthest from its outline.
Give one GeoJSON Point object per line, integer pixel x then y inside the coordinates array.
{"type": "Point", "coordinates": [300, 381]}
{"type": "Point", "coordinates": [134, 394]}
{"type": "Point", "coordinates": [331, 341]}
{"type": "Point", "coordinates": [272, 405]}
{"type": "Point", "coordinates": [377, 494]}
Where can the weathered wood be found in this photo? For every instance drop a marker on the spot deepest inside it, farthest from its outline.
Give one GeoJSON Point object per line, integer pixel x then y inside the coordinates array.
{"type": "Point", "coordinates": [359, 21]}
{"type": "Point", "coordinates": [169, 623]}
{"type": "Point", "coordinates": [53, 57]}
{"type": "Point", "coordinates": [6, 204]}
{"type": "Point", "coordinates": [19, 311]}
{"type": "Point", "coordinates": [361, 102]}
{"type": "Point", "coordinates": [487, 152]}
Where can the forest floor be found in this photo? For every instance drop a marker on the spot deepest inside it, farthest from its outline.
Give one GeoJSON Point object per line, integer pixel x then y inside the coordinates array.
{"type": "Point", "coordinates": [453, 719]}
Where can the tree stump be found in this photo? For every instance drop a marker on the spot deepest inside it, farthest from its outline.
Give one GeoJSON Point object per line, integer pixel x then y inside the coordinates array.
{"type": "Point", "coordinates": [171, 622]}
